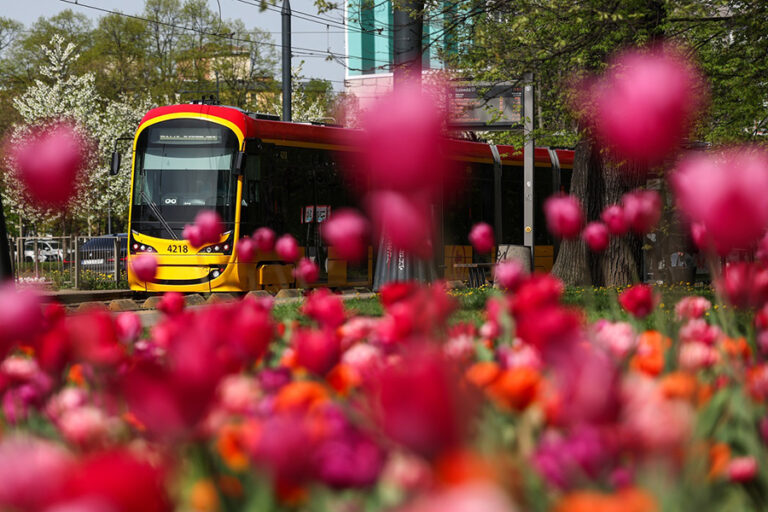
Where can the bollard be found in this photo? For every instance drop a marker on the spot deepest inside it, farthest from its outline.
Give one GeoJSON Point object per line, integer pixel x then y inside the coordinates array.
{"type": "Point", "coordinates": [35, 258]}
{"type": "Point", "coordinates": [77, 264]}
{"type": "Point", "coordinates": [116, 262]}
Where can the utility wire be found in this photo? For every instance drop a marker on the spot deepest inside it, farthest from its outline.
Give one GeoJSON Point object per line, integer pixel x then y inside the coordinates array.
{"type": "Point", "coordinates": [229, 37]}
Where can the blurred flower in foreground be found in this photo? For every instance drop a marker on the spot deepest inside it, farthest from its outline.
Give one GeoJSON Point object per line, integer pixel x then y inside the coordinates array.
{"type": "Point", "coordinates": [658, 89]}
{"type": "Point", "coordinates": [481, 237]}
{"type": "Point", "coordinates": [725, 193]}
{"type": "Point", "coordinates": [144, 266]}
{"type": "Point", "coordinates": [642, 210]}
{"type": "Point", "coordinates": [20, 316]}
{"type": "Point", "coordinates": [50, 162]}
{"type": "Point", "coordinates": [564, 216]}
{"type": "Point", "coordinates": [596, 236]}
{"type": "Point", "coordinates": [287, 248]}
{"type": "Point", "coordinates": [32, 471]}
{"type": "Point", "coordinates": [638, 300]}
{"type": "Point", "coordinates": [347, 232]}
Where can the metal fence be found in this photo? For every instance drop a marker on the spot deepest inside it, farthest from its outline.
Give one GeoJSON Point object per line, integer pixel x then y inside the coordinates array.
{"type": "Point", "coordinates": [71, 262]}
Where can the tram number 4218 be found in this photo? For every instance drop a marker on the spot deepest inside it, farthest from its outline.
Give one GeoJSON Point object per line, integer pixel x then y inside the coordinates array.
{"type": "Point", "coordinates": [178, 249]}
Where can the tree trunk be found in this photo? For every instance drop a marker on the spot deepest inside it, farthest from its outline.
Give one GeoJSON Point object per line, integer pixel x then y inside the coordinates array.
{"type": "Point", "coordinates": [597, 183]}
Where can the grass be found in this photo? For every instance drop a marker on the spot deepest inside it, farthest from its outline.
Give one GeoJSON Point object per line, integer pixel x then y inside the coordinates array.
{"type": "Point", "coordinates": [597, 302]}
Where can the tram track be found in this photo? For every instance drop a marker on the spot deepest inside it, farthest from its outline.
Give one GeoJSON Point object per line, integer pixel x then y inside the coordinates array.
{"type": "Point", "coordinates": [127, 300]}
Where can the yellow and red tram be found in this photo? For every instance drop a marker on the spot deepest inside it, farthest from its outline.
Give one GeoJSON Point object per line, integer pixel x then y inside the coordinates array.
{"type": "Point", "coordinates": [257, 172]}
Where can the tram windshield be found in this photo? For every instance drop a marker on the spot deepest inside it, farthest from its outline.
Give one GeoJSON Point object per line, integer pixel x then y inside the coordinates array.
{"type": "Point", "coordinates": [183, 166]}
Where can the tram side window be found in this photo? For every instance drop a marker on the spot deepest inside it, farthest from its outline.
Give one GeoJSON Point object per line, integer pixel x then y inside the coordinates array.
{"type": "Point", "coordinates": [250, 197]}
{"type": "Point", "coordinates": [511, 205]}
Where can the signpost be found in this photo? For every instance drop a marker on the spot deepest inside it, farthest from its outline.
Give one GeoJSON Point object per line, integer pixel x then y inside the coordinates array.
{"type": "Point", "coordinates": [483, 106]}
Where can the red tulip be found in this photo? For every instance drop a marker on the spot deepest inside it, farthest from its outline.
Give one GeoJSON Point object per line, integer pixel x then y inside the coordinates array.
{"type": "Point", "coordinates": [745, 285]}
{"type": "Point", "coordinates": [193, 235]}
{"type": "Point", "coordinates": [420, 405]}
{"type": "Point", "coordinates": [596, 236]}
{"type": "Point", "coordinates": [481, 237]}
{"type": "Point", "coordinates": [50, 163]}
{"type": "Point", "coordinates": [118, 481]}
{"type": "Point", "coordinates": [287, 248]}
{"type": "Point", "coordinates": [246, 250]}
{"type": "Point", "coordinates": [642, 210]}
{"type": "Point", "coordinates": [264, 238]}
{"type": "Point", "coordinates": [537, 292]}
{"type": "Point", "coordinates": [564, 216]}
{"type": "Point", "coordinates": [93, 336]}
{"type": "Point", "coordinates": [615, 220]}
{"type": "Point", "coordinates": [725, 193]}
{"type": "Point", "coordinates": [347, 232]}
{"type": "Point", "coordinates": [21, 316]}
{"type": "Point", "coordinates": [172, 303]}
{"type": "Point", "coordinates": [325, 308]}
{"type": "Point", "coordinates": [317, 351]}
{"type": "Point", "coordinates": [144, 266]}
{"type": "Point", "coordinates": [646, 103]}
{"type": "Point", "coordinates": [252, 331]}
{"type": "Point", "coordinates": [638, 300]}
{"type": "Point", "coordinates": [306, 271]}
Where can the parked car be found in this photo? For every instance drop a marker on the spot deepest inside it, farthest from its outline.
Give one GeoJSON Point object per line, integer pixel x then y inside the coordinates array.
{"type": "Point", "coordinates": [47, 250]}
{"type": "Point", "coordinates": [97, 254]}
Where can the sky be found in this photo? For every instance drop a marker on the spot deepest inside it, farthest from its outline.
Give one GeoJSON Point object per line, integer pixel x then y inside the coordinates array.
{"type": "Point", "coordinates": [310, 33]}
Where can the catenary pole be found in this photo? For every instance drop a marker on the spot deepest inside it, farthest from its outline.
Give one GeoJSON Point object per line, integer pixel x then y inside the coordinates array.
{"type": "Point", "coordinates": [286, 16]}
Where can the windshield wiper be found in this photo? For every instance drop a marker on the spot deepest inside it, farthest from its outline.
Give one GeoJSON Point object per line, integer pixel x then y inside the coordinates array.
{"type": "Point", "coordinates": [156, 211]}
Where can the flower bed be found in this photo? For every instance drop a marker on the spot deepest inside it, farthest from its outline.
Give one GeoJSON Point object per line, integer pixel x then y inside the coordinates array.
{"type": "Point", "coordinates": [227, 408]}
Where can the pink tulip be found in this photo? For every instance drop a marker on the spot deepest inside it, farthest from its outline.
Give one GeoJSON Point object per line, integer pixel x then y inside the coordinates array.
{"type": "Point", "coordinates": [564, 216]}
{"type": "Point", "coordinates": [264, 238]}
{"type": "Point", "coordinates": [402, 220]}
{"type": "Point", "coordinates": [695, 355]}
{"type": "Point", "coordinates": [144, 266]}
{"type": "Point", "coordinates": [347, 232]}
{"type": "Point", "coordinates": [481, 237]}
{"type": "Point", "coordinates": [84, 426]}
{"type": "Point", "coordinates": [725, 193]}
{"type": "Point", "coordinates": [128, 326]}
{"type": "Point", "coordinates": [745, 285]}
{"type": "Point", "coordinates": [33, 471]}
{"type": "Point", "coordinates": [50, 163]}
{"type": "Point", "coordinates": [618, 338]}
{"type": "Point", "coordinates": [193, 235]}
{"type": "Point", "coordinates": [642, 210]}
{"type": "Point", "coordinates": [287, 248]}
{"type": "Point", "coordinates": [402, 146]}
{"type": "Point", "coordinates": [246, 250]}
{"type": "Point", "coordinates": [615, 220]}
{"type": "Point", "coordinates": [700, 237]}
{"type": "Point", "coordinates": [509, 274]}
{"type": "Point", "coordinates": [210, 226]}
{"type": "Point", "coordinates": [742, 469]}
{"type": "Point", "coordinates": [691, 307]}
{"type": "Point", "coordinates": [306, 271]}
{"type": "Point", "coordinates": [596, 236]}
{"type": "Point", "coordinates": [646, 103]}
{"type": "Point", "coordinates": [317, 351]}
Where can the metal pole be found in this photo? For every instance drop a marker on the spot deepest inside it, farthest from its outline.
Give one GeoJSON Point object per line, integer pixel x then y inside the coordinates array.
{"type": "Point", "coordinates": [528, 156]}
{"type": "Point", "coordinates": [116, 261]}
{"type": "Point", "coordinates": [286, 15]}
{"type": "Point", "coordinates": [77, 263]}
{"type": "Point", "coordinates": [497, 214]}
{"type": "Point", "coordinates": [109, 217]}
{"type": "Point", "coordinates": [407, 41]}
{"type": "Point", "coordinates": [6, 270]}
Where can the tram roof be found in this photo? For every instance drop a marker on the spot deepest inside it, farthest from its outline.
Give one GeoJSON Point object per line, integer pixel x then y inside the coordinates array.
{"type": "Point", "coordinates": [331, 137]}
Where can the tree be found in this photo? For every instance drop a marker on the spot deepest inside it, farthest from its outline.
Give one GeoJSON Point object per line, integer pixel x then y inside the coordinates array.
{"type": "Point", "coordinates": [312, 100]}
{"type": "Point", "coordinates": [63, 95]}
{"type": "Point", "coordinates": [559, 41]}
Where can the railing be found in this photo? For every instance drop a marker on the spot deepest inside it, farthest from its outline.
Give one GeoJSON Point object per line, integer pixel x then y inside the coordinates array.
{"type": "Point", "coordinates": [70, 262]}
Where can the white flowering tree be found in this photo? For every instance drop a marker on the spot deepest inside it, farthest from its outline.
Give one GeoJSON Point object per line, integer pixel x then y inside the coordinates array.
{"type": "Point", "coordinates": [62, 95]}
{"type": "Point", "coordinates": [305, 106]}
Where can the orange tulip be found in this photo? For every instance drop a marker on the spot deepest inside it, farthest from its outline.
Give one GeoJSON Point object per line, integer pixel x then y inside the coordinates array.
{"type": "Point", "coordinates": [300, 395]}
{"type": "Point", "coordinates": [482, 373]}
{"type": "Point", "coordinates": [679, 385]}
{"type": "Point", "coordinates": [516, 388]}
{"type": "Point", "coordinates": [649, 357]}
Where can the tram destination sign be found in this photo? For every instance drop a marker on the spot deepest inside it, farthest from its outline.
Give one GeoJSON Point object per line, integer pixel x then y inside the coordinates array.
{"type": "Point", "coordinates": [484, 106]}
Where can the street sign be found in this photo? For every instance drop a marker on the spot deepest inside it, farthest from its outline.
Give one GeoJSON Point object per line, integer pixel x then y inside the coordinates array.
{"type": "Point", "coordinates": [484, 106]}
